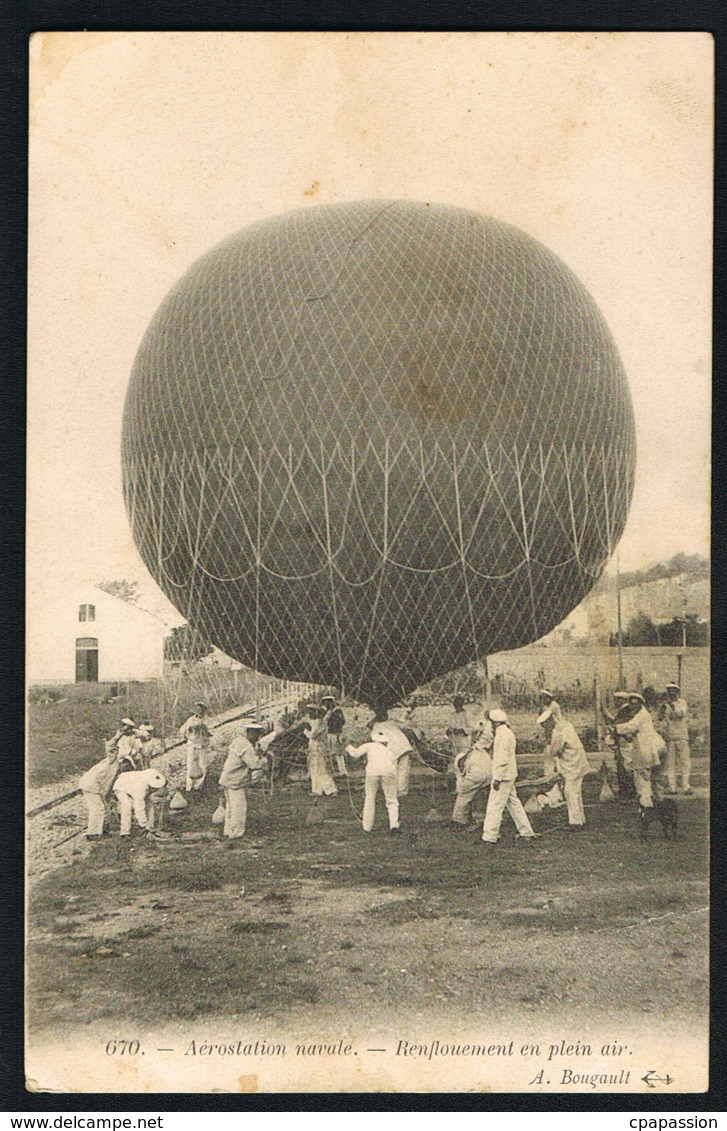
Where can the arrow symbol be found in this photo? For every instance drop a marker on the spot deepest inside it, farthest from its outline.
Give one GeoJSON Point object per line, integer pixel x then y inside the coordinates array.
{"type": "Point", "coordinates": [652, 1075]}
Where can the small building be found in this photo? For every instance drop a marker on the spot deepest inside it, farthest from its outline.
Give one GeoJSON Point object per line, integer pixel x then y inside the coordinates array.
{"type": "Point", "coordinates": [90, 636]}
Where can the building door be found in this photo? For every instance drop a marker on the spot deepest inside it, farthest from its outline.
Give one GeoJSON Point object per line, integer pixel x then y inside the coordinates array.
{"type": "Point", "coordinates": [86, 659]}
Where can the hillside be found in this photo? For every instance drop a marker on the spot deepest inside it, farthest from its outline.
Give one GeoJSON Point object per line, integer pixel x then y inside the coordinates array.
{"type": "Point", "coordinates": [664, 592]}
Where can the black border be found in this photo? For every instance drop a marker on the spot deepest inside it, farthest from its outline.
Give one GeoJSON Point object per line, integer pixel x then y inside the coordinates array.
{"type": "Point", "coordinates": [17, 22]}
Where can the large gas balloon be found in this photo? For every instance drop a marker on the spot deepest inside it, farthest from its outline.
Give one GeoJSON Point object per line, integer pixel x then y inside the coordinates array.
{"type": "Point", "coordinates": [366, 443]}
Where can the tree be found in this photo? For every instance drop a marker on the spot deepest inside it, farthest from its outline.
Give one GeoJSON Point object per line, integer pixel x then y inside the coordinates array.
{"type": "Point", "coordinates": [641, 631]}
{"type": "Point", "coordinates": [695, 566]}
{"type": "Point", "coordinates": [122, 588]}
{"type": "Point", "coordinates": [185, 643]}
{"type": "Point", "coordinates": [689, 631]}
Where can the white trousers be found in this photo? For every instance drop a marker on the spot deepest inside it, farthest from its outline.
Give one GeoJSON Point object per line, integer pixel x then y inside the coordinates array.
{"type": "Point", "coordinates": [321, 781]}
{"type": "Point", "coordinates": [573, 789]}
{"type": "Point", "coordinates": [642, 784]}
{"type": "Point", "coordinates": [500, 799]}
{"type": "Point", "coordinates": [196, 754]}
{"type": "Point", "coordinates": [235, 813]}
{"type": "Point", "coordinates": [142, 811]}
{"type": "Point", "coordinates": [371, 788]}
{"type": "Point", "coordinates": [96, 813]}
{"type": "Point", "coordinates": [678, 757]}
{"type": "Point", "coordinates": [467, 790]}
{"type": "Point", "coordinates": [403, 770]}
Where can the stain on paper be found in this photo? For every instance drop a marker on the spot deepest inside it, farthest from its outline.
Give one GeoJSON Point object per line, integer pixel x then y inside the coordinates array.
{"type": "Point", "coordinates": [52, 51]}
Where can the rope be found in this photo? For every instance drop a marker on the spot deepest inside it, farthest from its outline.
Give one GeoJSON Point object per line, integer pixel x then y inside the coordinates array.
{"type": "Point", "coordinates": [342, 679]}
{"type": "Point", "coordinates": [382, 565]}
{"type": "Point", "coordinates": [470, 608]}
{"type": "Point", "coordinates": [354, 810]}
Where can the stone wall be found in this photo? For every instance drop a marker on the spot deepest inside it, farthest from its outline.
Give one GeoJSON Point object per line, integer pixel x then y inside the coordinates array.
{"type": "Point", "coordinates": [574, 665]}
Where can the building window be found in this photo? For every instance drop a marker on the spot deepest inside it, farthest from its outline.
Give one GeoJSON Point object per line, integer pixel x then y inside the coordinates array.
{"type": "Point", "coordinates": [87, 612]}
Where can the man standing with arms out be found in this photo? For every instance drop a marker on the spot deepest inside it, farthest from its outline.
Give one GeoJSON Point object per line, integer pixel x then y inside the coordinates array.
{"type": "Point", "coordinates": [566, 750]}
{"type": "Point", "coordinates": [244, 765]}
{"type": "Point", "coordinates": [198, 735]}
{"type": "Point", "coordinates": [675, 713]}
{"type": "Point", "coordinates": [473, 768]}
{"type": "Point", "coordinates": [380, 771]}
{"type": "Point", "coordinates": [388, 731]}
{"type": "Point", "coordinates": [504, 775]}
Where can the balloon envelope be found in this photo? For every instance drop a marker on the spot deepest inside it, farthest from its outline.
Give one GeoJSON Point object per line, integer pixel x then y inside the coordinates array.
{"type": "Point", "coordinates": [366, 443]}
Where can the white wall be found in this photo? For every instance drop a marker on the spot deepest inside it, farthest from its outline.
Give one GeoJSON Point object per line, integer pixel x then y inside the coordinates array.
{"type": "Point", "coordinates": [130, 641]}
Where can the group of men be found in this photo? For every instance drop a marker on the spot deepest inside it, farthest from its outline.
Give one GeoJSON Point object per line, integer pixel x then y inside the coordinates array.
{"type": "Point", "coordinates": [484, 755]}
{"type": "Point", "coordinates": [653, 761]}
{"type": "Point", "coordinates": [135, 745]}
{"type": "Point", "coordinates": [126, 772]}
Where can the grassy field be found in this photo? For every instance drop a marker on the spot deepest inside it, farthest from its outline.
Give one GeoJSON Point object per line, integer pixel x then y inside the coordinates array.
{"type": "Point", "coordinates": [315, 915]}
{"type": "Point", "coordinates": [66, 737]}
{"type": "Point", "coordinates": [67, 734]}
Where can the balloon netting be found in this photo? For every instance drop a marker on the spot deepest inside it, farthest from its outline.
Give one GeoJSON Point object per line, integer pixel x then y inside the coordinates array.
{"type": "Point", "coordinates": [366, 444]}
{"type": "Point", "coordinates": [345, 543]}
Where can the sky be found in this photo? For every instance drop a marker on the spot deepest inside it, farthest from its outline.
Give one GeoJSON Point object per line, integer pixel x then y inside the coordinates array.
{"type": "Point", "coordinates": [149, 148]}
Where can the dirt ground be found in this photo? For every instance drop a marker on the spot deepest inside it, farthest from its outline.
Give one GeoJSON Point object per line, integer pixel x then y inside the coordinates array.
{"type": "Point", "coordinates": [314, 917]}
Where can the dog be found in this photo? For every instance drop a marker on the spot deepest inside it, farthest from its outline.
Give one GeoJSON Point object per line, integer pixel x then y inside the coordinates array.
{"type": "Point", "coordinates": [664, 810]}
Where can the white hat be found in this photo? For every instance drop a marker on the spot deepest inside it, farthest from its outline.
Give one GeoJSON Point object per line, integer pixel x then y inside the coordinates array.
{"type": "Point", "coordinates": [636, 695]}
{"type": "Point", "coordinates": [548, 693]}
{"type": "Point", "coordinates": [621, 695]}
{"type": "Point", "coordinates": [547, 714]}
{"type": "Point", "coordinates": [128, 723]}
{"type": "Point", "coordinates": [146, 729]}
{"type": "Point", "coordinates": [255, 726]}
{"type": "Point", "coordinates": [497, 716]}
{"type": "Point", "coordinates": [675, 686]}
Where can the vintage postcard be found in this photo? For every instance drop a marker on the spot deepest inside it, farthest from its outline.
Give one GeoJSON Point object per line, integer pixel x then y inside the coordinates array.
{"type": "Point", "coordinates": [368, 562]}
